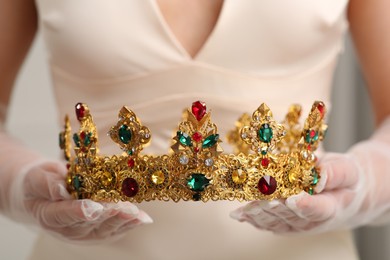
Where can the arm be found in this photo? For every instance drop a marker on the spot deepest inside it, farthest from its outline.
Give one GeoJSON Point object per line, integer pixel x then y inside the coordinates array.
{"type": "Point", "coordinates": [369, 25]}
{"type": "Point", "coordinates": [18, 26]}
{"type": "Point", "coordinates": [32, 189]}
{"type": "Point", "coordinates": [354, 186]}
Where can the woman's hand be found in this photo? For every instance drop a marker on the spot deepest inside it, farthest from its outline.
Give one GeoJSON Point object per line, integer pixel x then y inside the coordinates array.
{"type": "Point", "coordinates": [354, 191]}
{"type": "Point", "coordinates": [42, 198]}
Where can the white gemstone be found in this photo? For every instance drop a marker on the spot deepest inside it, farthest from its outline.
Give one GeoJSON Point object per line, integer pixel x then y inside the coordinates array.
{"type": "Point", "coordinates": [209, 162]}
{"type": "Point", "coordinates": [243, 135]}
{"type": "Point", "coordinates": [132, 119]}
{"type": "Point", "coordinates": [147, 135]}
{"type": "Point", "coordinates": [183, 160]}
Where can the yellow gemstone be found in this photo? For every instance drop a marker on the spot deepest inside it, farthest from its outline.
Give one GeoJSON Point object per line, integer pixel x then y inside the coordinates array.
{"type": "Point", "coordinates": [106, 179]}
{"type": "Point", "coordinates": [69, 180]}
{"type": "Point", "coordinates": [293, 176]}
{"type": "Point", "coordinates": [158, 177]}
{"type": "Point", "coordinates": [239, 176]}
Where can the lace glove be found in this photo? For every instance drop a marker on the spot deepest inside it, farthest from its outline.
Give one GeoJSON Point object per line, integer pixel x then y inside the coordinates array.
{"type": "Point", "coordinates": [32, 190]}
{"type": "Point", "coordinates": [354, 191]}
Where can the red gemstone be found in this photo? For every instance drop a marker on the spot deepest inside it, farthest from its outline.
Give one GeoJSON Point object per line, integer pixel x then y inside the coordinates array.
{"type": "Point", "coordinates": [267, 185]}
{"type": "Point", "coordinates": [199, 110]}
{"type": "Point", "coordinates": [321, 108]}
{"type": "Point", "coordinates": [309, 147]}
{"type": "Point", "coordinates": [80, 111]}
{"type": "Point", "coordinates": [67, 166]}
{"type": "Point", "coordinates": [130, 187]}
{"type": "Point", "coordinates": [197, 137]}
{"type": "Point", "coordinates": [196, 149]}
{"type": "Point", "coordinates": [82, 135]}
{"type": "Point", "coordinates": [312, 133]}
{"type": "Point", "coordinates": [131, 162]}
{"type": "Point", "coordinates": [264, 162]}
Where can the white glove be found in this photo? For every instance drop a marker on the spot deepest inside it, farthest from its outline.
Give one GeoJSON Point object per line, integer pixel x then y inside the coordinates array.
{"type": "Point", "coordinates": [32, 190]}
{"type": "Point", "coordinates": [354, 188]}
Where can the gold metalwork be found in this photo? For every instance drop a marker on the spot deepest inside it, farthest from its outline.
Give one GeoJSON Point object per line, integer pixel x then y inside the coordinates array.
{"type": "Point", "coordinates": [264, 148]}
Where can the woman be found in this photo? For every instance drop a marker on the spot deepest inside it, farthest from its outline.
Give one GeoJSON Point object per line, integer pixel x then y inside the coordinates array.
{"type": "Point", "coordinates": [233, 55]}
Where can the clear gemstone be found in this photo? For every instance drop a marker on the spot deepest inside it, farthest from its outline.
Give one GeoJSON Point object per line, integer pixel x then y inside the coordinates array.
{"type": "Point", "coordinates": [183, 160]}
{"type": "Point", "coordinates": [209, 162]}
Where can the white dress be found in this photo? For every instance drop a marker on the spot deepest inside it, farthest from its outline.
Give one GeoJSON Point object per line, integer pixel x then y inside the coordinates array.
{"type": "Point", "coordinates": [114, 53]}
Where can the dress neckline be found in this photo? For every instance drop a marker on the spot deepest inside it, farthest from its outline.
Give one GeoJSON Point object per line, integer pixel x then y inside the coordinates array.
{"type": "Point", "coordinates": [167, 30]}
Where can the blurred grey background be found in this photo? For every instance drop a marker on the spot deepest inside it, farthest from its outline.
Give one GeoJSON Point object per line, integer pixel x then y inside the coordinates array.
{"type": "Point", "coordinates": [352, 122]}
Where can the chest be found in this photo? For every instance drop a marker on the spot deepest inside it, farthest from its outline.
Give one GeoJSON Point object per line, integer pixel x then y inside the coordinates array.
{"type": "Point", "coordinates": [109, 39]}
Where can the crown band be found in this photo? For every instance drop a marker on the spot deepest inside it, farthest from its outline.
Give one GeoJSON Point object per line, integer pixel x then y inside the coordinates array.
{"type": "Point", "coordinates": [271, 160]}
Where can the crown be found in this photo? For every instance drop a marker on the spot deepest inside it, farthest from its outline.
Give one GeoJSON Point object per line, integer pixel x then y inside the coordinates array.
{"type": "Point", "coordinates": [271, 160]}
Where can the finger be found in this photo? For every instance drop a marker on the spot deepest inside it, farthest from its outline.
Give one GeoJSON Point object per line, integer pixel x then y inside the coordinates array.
{"type": "Point", "coordinates": [46, 181]}
{"type": "Point", "coordinates": [67, 213]}
{"type": "Point", "coordinates": [320, 207]}
{"type": "Point", "coordinates": [340, 171]}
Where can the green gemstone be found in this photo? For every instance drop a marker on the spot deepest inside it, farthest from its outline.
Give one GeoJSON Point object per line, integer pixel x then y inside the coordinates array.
{"type": "Point", "coordinates": [315, 176]}
{"type": "Point", "coordinates": [76, 139]}
{"type": "Point", "coordinates": [198, 182]}
{"type": "Point", "coordinates": [310, 137]}
{"type": "Point", "coordinates": [264, 152]}
{"type": "Point", "coordinates": [124, 134]}
{"type": "Point", "coordinates": [265, 133]}
{"type": "Point", "coordinates": [311, 191]}
{"type": "Point", "coordinates": [210, 141]}
{"type": "Point", "coordinates": [87, 140]}
{"type": "Point", "coordinates": [184, 138]}
{"type": "Point", "coordinates": [77, 183]}
{"type": "Point", "coordinates": [61, 140]}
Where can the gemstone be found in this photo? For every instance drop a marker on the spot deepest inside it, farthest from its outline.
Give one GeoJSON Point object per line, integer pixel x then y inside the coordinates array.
{"type": "Point", "coordinates": [76, 139]}
{"type": "Point", "coordinates": [196, 149]}
{"type": "Point", "coordinates": [209, 162]}
{"type": "Point", "coordinates": [157, 177]}
{"type": "Point", "coordinates": [239, 176]}
{"type": "Point", "coordinates": [124, 134]}
{"type": "Point", "coordinates": [77, 182]}
{"type": "Point", "coordinates": [130, 187]}
{"type": "Point", "coordinates": [80, 111]}
{"type": "Point", "coordinates": [87, 139]}
{"type": "Point", "coordinates": [244, 136]}
{"type": "Point", "coordinates": [315, 176]}
{"type": "Point", "coordinates": [184, 138]}
{"type": "Point", "coordinates": [267, 185]}
{"type": "Point", "coordinates": [61, 140]}
{"type": "Point", "coordinates": [198, 109]}
{"type": "Point", "coordinates": [321, 108]}
{"type": "Point", "coordinates": [197, 137]}
{"type": "Point", "coordinates": [196, 196]}
{"type": "Point", "coordinates": [131, 163]}
{"type": "Point", "coordinates": [106, 179]}
{"type": "Point", "coordinates": [183, 160]}
{"type": "Point", "coordinates": [264, 151]}
{"type": "Point", "coordinates": [265, 133]}
{"type": "Point", "coordinates": [210, 141]}
{"type": "Point", "coordinates": [311, 136]}
{"type": "Point", "coordinates": [198, 182]}
{"type": "Point", "coordinates": [293, 176]}
{"type": "Point", "coordinates": [310, 191]}
{"type": "Point", "coordinates": [264, 162]}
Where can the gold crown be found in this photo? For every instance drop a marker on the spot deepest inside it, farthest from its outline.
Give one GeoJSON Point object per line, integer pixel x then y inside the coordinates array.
{"type": "Point", "coordinates": [271, 160]}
